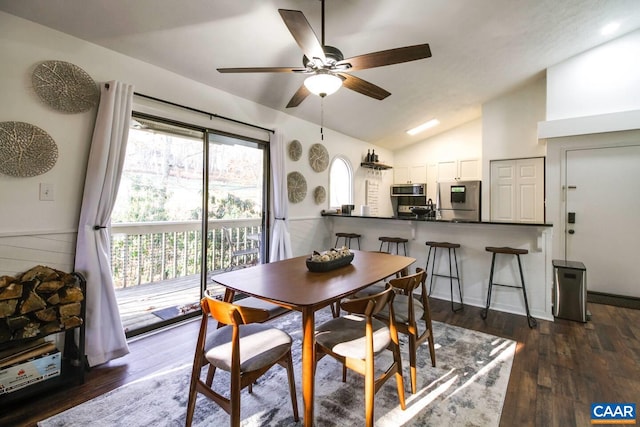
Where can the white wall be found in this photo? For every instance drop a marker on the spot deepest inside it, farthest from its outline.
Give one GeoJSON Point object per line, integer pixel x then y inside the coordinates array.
{"type": "Point", "coordinates": [593, 100]}
{"type": "Point", "coordinates": [603, 80]}
{"type": "Point", "coordinates": [464, 142]}
{"type": "Point", "coordinates": [509, 130]}
{"type": "Point", "coordinates": [24, 44]}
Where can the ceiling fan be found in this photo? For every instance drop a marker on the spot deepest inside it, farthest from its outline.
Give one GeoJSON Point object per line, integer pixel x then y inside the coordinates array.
{"type": "Point", "coordinates": [326, 66]}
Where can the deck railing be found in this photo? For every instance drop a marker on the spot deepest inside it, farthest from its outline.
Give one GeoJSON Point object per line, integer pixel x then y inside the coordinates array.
{"type": "Point", "coordinates": [155, 251]}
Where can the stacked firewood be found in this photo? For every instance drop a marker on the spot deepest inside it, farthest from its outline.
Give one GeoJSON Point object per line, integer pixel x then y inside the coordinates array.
{"type": "Point", "coordinates": [39, 302]}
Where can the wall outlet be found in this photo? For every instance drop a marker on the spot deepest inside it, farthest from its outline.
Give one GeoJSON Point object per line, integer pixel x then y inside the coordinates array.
{"type": "Point", "coordinates": [46, 192]}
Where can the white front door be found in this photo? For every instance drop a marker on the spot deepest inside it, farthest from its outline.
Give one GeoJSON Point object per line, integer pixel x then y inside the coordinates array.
{"type": "Point", "coordinates": [603, 197]}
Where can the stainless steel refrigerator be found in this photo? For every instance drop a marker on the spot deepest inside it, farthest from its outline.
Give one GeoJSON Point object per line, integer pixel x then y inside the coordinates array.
{"type": "Point", "coordinates": [459, 200]}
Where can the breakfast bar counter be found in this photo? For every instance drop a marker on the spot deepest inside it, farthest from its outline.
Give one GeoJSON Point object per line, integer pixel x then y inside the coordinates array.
{"type": "Point", "coordinates": [473, 260]}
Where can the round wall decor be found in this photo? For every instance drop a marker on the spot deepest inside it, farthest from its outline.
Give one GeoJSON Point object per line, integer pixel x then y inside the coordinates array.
{"type": "Point", "coordinates": [319, 194]}
{"type": "Point", "coordinates": [26, 150]}
{"type": "Point", "coordinates": [295, 150]}
{"type": "Point", "coordinates": [296, 187]}
{"type": "Point", "coordinates": [318, 157]}
{"type": "Point", "coordinates": [64, 86]}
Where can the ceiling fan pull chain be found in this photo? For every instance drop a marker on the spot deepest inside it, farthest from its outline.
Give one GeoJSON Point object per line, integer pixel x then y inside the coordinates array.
{"type": "Point", "coordinates": [322, 118]}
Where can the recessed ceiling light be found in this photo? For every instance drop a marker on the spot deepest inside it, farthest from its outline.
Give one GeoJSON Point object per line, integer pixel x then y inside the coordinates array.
{"type": "Point", "coordinates": [609, 28]}
{"type": "Point", "coordinates": [431, 123]}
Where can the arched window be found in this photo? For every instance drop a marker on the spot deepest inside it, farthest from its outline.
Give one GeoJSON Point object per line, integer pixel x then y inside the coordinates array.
{"type": "Point", "coordinates": [340, 182]}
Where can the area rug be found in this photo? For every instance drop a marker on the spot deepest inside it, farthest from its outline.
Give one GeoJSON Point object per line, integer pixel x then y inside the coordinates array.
{"type": "Point", "coordinates": [467, 388]}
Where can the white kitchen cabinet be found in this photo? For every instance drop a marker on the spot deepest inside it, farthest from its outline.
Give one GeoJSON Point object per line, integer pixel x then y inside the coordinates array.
{"type": "Point", "coordinates": [447, 171]}
{"type": "Point", "coordinates": [517, 190]}
{"type": "Point", "coordinates": [414, 174]}
{"type": "Point", "coordinates": [400, 174]}
{"type": "Point", "coordinates": [459, 170]}
{"type": "Point", "coordinates": [469, 169]}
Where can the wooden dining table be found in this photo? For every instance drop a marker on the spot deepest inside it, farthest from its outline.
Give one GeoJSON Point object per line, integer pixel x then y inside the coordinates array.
{"type": "Point", "coordinates": [290, 284]}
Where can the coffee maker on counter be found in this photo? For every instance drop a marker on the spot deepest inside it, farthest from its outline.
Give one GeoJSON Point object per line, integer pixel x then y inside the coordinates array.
{"type": "Point", "coordinates": [347, 209]}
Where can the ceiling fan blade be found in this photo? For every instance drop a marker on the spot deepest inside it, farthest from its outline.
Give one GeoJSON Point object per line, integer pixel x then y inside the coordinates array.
{"type": "Point", "coordinates": [299, 96]}
{"type": "Point", "coordinates": [387, 57]}
{"type": "Point", "coordinates": [364, 87]}
{"type": "Point", "coordinates": [262, 70]}
{"type": "Point", "coordinates": [302, 33]}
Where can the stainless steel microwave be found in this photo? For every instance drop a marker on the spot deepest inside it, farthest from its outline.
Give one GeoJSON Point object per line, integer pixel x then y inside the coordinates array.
{"type": "Point", "coordinates": [409, 190]}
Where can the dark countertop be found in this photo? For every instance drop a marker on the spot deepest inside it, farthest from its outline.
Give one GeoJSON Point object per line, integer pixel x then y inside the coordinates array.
{"type": "Point", "coordinates": [446, 221]}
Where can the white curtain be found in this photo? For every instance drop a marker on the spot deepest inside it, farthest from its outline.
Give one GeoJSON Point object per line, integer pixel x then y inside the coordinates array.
{"type": "Point", "coordinates": [280, 237]}
{"type": "Point", "coordinates": [105, 338]}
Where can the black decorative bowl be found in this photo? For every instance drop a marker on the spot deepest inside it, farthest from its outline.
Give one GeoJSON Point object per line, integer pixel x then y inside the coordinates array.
{"type": "Point", "coordinates": [421, 212]}
{"type": "Point", "coordinates": [320, 267]}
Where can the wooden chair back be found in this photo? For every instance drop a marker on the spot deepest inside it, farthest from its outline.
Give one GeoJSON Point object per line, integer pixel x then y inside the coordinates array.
{"type": "Point", "coordinates": [370, 305]}
{"type": "Point", "coordinates": [406, 285]}
{"type": "Point", "coordinates": [231, 314]}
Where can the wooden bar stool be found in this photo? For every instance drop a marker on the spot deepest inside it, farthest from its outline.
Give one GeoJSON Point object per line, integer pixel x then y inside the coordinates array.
{"type": "Point", "coordinates": [508, 251]}
{"type": "Point", "coordinates": [347, 239]}
{"type": "Point", "coordinates": [450, 276]}
{"type": "Point", "coordinates": [391, 240]}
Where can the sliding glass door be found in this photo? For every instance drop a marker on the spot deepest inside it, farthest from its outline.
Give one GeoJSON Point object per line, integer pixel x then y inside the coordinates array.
{"type": "Point", "coordinates": [163, 251]}
{"type": "Point", "coordinates": [237, 193]}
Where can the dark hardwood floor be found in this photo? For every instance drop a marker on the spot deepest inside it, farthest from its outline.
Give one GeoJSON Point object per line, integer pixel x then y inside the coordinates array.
{"type": "Point", "coordinates": [560, 368]}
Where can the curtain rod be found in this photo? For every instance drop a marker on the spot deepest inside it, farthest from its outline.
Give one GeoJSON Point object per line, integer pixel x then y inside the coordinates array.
{"type": "Point", "coordinates": [206, 113]}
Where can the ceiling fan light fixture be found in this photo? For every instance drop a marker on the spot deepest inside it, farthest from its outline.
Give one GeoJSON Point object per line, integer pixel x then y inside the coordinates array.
{"type": "Point", "coordinates": [323, 83]}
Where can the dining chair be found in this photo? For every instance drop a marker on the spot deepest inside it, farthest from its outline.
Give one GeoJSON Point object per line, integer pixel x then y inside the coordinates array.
{"type": "Point", "coordinates": [408, 310]}
{"type": "Point", "coordinates": [355, 340]}
{"type": "Point", "coordinates": [237, 251]}
{"type": "Point", "coordinates": [369, 290]}
{"type": "Point", "coordinates": [244, 348]}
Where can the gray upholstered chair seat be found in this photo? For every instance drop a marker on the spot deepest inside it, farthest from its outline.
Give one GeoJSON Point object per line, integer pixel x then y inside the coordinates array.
{"type": "Point", "coordinates": [260, 346]}
{"type": "Point", "coordinates": [376, 288]}
{"type": "Point", "coordinates": [346, 336]}
{"type": "Point", "coordinates": [401, 309]}
{"type": "Point", "coordinates": [274, 310]}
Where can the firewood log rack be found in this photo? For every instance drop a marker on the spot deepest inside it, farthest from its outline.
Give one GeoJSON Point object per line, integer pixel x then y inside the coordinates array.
{"type": "Point", "coordinates": [73, 358]}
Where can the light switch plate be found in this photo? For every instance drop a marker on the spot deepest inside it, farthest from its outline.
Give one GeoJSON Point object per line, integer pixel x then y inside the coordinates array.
{"type": "Point", "coordinates": [46, 192]}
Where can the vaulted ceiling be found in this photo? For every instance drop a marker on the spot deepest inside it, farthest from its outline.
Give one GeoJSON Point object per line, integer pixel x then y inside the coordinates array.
{"type": "Point", "coordinates": [481, 49]}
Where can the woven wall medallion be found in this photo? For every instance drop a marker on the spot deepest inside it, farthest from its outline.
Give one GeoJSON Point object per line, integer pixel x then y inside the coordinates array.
{"type": "Point", "coordinates": [318, 157]}
{"type": "Point", "coordinates": [26, 150]}
{"type": "Point", "coordinates": [319, 194]}
{"type": "Point", "coordinates": [296, 187]}
{"type": "Point", "coordinates": [64, 86]}
{"type": "Point", "coordinates": [295, 150]}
